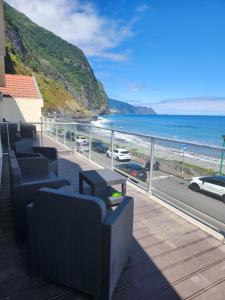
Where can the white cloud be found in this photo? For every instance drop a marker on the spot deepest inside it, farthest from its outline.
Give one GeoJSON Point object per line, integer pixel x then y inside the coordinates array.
{"type": "Point", "coordinates": [191, 106]}
{"type": "Point", "coordinates": [80, 23]}
{"type": "Point", "coordinates": [134, 88]}
{"type": "Point", "coordinates": [143, 8]}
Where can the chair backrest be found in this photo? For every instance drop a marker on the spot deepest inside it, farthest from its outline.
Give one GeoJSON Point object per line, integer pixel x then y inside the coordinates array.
{"type": "Point", "coordinates": [27, 130]}
{"type": "Point", "coordinates": [9, 134]}
{"type": "Point", "coordinates": [12, 130]}
{"type": "Point", "coordinates": [34, 168]}
{"type": "Point", "coordinates": [14, 170]}
{"type": "Point", "coordinates": [69, 237]}
{"type": "Point", "coordinates": [24, 146]}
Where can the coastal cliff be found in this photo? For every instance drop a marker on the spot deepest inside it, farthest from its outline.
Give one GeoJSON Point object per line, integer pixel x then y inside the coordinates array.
{"type": "Point", "coordinates": [120, 107]}
{"type": "Point", "coordinates": [66, 79]}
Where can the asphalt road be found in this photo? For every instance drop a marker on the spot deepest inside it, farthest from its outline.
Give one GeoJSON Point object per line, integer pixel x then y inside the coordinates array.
{"type": "Point", "coordinates": [203, 206]}
{"type": "Point", "coordinates": [175, 190]}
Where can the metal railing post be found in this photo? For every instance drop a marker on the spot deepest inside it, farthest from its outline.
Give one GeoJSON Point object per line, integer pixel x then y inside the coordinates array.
{"type": "Point", "coordinates": [75, 138]}
{"type": "Point", "coordinates": [182, 165]}
{"type": "Point", "coordinates": [8, 140]}
{"type": "Point", "coordinates": [70, 138]}
{"type": "Point", "coordinates": [47, 127]}
{"type": "Point", "coordinates": [53, 132]}
{"type": "Point", "coordinates": [56, 132]}
{"type": "Point", "coordinates": [89, 140]}
{"type": "Point", "coordinates": [112, 148]}
{"type": "Point", "coordinates": [222, 156]}
{"type": "Point", "coordinates": [221, 162]}
{"type": "Point", "coordinates": [151, 165]}
{"type": "Point", "coordinates": [64, 137]}
{"type": "Point", "coordinates": [50, 131]}
{"type": "Point", "coordinates": [42, 121]}
{"type": "Point", "coordinates": [41, 133]}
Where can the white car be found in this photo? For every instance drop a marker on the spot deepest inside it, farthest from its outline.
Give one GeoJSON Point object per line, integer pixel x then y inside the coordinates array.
{"type": "Point", "coordinates": [119, 154]}
{"type": "Point", "coordinates": [211, 184]}
{"type": "Point", "coordinates": [82, 140]}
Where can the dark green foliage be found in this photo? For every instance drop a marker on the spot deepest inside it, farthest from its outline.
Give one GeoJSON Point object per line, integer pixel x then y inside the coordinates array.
{"type": "Point", "coordinates": [44, 53]}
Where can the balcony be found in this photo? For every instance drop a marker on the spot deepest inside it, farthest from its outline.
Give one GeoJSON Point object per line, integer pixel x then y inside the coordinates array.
{"type": "Point", "coordinates": [171, 257]}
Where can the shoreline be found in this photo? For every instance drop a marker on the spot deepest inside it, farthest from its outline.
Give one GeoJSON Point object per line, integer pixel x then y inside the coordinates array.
{"type": "Point", "coordinates": [190, 129]}
{"type": "Point", "coordinates": [170, 154]}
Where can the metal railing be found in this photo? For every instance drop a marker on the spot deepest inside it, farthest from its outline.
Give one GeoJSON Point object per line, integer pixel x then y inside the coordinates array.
{"type": "Point", "coordinates": [177, 161]}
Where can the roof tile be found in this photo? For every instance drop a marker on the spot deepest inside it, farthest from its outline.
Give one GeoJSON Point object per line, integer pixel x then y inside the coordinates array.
{"type": "Point", "coordinates": [20, 86]}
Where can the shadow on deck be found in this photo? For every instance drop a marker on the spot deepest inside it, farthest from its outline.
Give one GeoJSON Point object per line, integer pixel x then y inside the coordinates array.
{"type": "Point", "coordinates": [171, 258]}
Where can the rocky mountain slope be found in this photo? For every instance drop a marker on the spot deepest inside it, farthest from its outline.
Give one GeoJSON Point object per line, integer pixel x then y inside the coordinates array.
{"type": "Point", "coordinates": [120, 107]}
{"type": "Point", "coordinates": [63, 73]}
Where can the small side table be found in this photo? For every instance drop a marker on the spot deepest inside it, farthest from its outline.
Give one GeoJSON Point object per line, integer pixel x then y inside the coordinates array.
{"type": "Point", "coordinates": [101, 178]}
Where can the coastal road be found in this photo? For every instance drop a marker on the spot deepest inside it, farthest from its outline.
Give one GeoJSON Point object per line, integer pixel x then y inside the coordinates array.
{"type": "Point", "coordinates": [175, 191]}
{"type": "Point", "coordinates": [205, 207]}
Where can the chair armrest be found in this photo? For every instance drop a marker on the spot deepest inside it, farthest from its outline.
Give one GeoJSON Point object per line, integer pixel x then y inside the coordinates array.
{"type": "Point", "coordinates": [49, 152]}
{"type": "Point", "coordinates": [124, 209]}
{"type": "Point", "coordinates": [29, 187]}
{"type": "Point", "coordinates": [24, 155]}
{"type": "Point", "coordinates": [117, 244]}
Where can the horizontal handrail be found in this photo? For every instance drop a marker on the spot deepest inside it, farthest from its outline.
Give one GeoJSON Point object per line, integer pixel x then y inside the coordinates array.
{"type": "Point", "coordinates": [171, 162]}
{"type": "Point", "coordinates": [123, 132]}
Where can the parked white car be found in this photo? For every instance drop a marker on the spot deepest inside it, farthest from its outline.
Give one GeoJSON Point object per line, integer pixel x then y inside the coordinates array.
{"type": "Point", "coordinates": [119, 154]}
{"type": "Point", "coordinates": [211, 184]}
{"type": "Point", "coordinates": [82, 140]}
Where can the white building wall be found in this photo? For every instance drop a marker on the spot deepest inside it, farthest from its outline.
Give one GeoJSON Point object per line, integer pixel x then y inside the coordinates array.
{"type": "Point", "coordinates": [21, 109]}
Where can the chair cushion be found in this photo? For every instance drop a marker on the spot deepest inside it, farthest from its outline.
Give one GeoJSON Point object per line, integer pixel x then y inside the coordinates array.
{"type": "Point", "coordinates": [25, 146]}
{"type": "Point", "coordinates": [35, 168]}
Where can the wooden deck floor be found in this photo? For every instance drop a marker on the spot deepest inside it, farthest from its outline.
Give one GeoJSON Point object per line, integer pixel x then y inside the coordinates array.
{"type": "Point", "coordinates": [171, 259]}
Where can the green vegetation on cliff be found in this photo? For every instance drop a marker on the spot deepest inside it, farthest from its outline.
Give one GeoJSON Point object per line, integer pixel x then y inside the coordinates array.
{"type": "Point", "coordinates": [63, 73]}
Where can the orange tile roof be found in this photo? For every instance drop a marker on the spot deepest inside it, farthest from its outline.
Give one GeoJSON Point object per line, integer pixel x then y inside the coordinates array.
{"type": "Point", "coordinates": [20, 86]}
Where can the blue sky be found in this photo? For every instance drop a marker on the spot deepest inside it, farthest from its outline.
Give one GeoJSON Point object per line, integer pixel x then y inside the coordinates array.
{"type": "Point", "coordinates": [143, 51]}
{"type": "Point", "coordinates": [177, 51]}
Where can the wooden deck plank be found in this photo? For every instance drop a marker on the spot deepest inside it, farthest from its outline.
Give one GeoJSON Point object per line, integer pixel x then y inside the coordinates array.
{"type": "Point", "coordinates": [182, 234]}
{"type": "Point", "coordinates": [47, 291]}
{"type": "Point", "coordinates": [171, 258]}
{"type": "Point", "coordinates": [196, 284]}
{"type": "Point", "coordinates": [215, 292]}
{"type": "Point", "coordinates": [140, 275]}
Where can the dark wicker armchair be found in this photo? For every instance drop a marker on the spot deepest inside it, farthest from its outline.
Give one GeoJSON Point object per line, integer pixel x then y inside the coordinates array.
{"type": "Point", "coordinates": [27, 175]}
{"type": "Point", "coordinates": [25, 148]}
{"type": "Point", "coordinates": [75, 241]}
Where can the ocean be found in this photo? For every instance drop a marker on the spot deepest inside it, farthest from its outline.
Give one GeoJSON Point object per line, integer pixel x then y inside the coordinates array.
{"type": "Point", "coordinates": [200, 129]}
